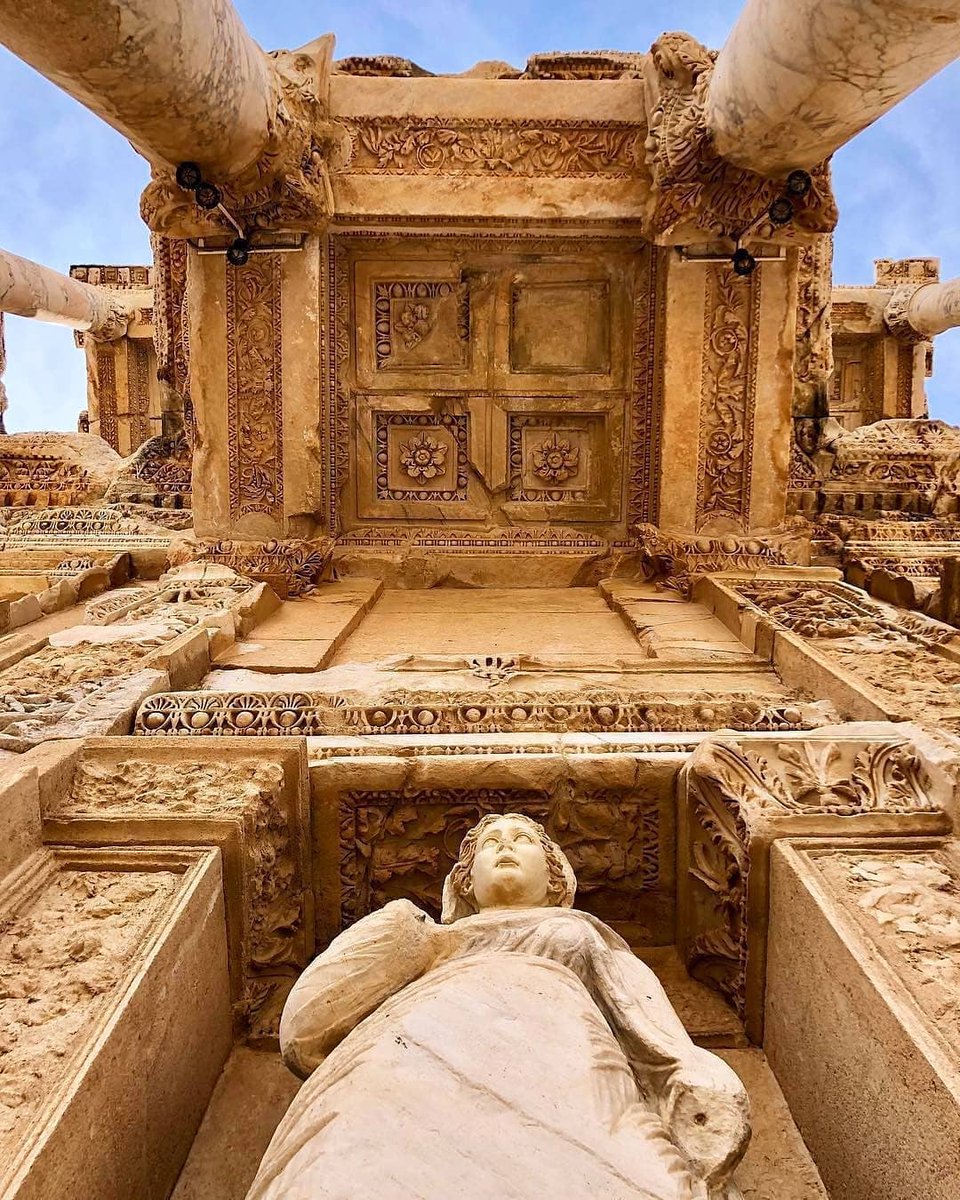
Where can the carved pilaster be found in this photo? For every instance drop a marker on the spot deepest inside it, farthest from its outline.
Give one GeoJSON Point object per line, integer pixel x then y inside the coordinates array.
{"type": "Point", "coordinates": [727, 399]}
{"type": "Point", "coordinates": [288, 187]}
{"type": "Point", "coordinates": [255, 387]}
{"type": "Point", "coordinates": [171, 329]}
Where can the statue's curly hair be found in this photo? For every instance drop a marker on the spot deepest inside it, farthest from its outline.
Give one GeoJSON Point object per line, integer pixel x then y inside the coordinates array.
{"type": "Point", "coordinates": [558, 873]}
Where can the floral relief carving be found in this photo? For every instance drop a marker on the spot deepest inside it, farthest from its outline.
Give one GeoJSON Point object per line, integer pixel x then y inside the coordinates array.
{"type": "Point", "coordinates": [727, 397]}
{"type": "Point", "coordinates": [423, 457]}
{"type": "Point", "coordinates": [402, 844]}
{"type": "Point", "coordinates": [407, 312]}
{"type": "Point", "coordinates": [556, 460]}
{"type": "Point", "coordinates": [255, 387]}
{"type": "Point", "coordinates": [494, 146]}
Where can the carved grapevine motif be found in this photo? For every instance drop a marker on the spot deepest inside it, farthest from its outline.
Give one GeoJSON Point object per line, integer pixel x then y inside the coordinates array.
{"type": "Point", "coordinates": [494, 146]}
{"type": "Point", "coordinates": [255, 386]}
{"type": "Point", "coordinates": [727, 397]}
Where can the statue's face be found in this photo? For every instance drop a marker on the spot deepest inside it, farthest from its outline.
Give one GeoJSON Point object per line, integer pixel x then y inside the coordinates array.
{"type": "Point", "coordinates": [510, 868]}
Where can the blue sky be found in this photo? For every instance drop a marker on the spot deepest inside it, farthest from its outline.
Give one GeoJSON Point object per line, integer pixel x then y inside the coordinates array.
{"type": "Point", "coordinates": [70, 187]}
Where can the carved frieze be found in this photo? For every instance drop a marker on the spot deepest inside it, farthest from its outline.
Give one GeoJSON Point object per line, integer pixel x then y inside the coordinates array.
{"type": "Point", "coordinates": [307, 713]}
{"type": "Point", "coordinates": [905, 662]}
{"type": "Point", "coordinates": [292, 567]}
{"type": "Point", "coordinates": [679, 558]}
{"type": "Point", "coordinates": [727, 399]}
{"type": "Point", "coordinates": [255, 387]}
{"type": "Point", "coordinates": [578, 149]}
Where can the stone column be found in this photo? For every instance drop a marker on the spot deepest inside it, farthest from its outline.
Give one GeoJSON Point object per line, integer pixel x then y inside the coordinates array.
{"type": "Point", "coordinates": [30, 290]}
{"type": "Point", "coordinates": [921, 312]}
{"type": "Point", "coordinates": [181, 79]}
{"type": "Point", "coordinates": [799, 78]}
{"type": "Point", "coordinates": [3, 367]}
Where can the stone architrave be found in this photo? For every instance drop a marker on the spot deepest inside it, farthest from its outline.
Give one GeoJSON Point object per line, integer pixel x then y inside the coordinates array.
{"type": "Point", "coordinates": [737, 798]}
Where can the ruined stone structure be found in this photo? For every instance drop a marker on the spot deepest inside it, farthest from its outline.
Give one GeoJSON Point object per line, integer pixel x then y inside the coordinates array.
{"type": "Point", "coordinates": [476, 445]}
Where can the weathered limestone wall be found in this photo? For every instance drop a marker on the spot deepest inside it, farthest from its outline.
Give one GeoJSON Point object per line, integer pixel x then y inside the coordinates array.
{"type": "Point", "coordinates": [871, 1078]}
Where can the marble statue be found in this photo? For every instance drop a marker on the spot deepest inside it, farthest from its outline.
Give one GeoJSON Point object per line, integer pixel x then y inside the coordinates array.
{"type": "Point", "coordinates": [517, 1050]}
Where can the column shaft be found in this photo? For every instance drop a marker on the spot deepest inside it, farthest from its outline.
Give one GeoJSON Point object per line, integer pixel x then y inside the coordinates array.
{"type": "Point", "coordinates": [797, 79]}
{"type": "Point", "coordinates": [30, 290]}
{"type": "Point", "coordinates": [182, 79]}
{"type": "Point", "coordinates": [934, 308]}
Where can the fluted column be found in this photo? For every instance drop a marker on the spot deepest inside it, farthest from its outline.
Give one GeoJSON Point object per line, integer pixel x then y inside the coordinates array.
{"type": "Point", "coordinates": [924, 311]}
{"type": "Point", "coordinates": [182, 79]}
{"type": "Point", "coordinates": [30, 290]}
{"type": "Point", "coordinates": [797, 79]}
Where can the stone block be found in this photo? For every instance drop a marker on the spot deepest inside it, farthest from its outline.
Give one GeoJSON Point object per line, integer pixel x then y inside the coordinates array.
{"type": "Point", "coordinates": [862, 1030]}
{"type": "Point", "coordinates": [121, 957]}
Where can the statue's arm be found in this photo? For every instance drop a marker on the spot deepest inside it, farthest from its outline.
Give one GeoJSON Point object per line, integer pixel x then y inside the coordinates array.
{"type": "Point", "coordinates": [701, 1100]}
{"type": "Point", "coordinates": [362, 967]}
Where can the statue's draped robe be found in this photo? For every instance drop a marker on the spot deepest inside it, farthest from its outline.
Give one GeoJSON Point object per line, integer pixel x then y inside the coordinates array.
{"type": "Point", "coordinates": [513, 1055]}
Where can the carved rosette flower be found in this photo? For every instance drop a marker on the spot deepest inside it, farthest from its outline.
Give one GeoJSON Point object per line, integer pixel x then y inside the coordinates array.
{"type": "Point", "coordinates": [423, 457]}
{"type": "Point", "coordinates": [556, 460]}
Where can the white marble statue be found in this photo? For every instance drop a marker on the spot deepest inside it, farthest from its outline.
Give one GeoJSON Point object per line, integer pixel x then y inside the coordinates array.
{"type": "Point", "coordinates": [517, 1051]}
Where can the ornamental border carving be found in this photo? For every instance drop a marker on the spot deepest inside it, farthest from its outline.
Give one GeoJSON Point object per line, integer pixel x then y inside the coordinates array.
{"type": "Point", "coordinates": [138, 392]}
{"type": "Point", "coordinates": [727, 396]}
{"type": "Point", "coordinates": [308, 714]}
{"type": "Point", "coordinates": [255, 386]}
{"type": "Point", "coordinates": [498, 146]}
{"type": "Point", "coordinates": [107, 393]}
{"type": "Point", "coordinates": [646, 399]}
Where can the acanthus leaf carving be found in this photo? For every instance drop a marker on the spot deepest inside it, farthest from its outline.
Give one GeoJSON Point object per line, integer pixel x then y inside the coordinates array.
{"type": "Point", "coordinates": [288, 187]}
{"type": "Point", "coordinates": [692, 183]}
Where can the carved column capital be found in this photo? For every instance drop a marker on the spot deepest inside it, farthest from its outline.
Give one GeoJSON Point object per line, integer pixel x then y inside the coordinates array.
{"type": "Point", "coordinates": [288, 187]}
{"type": "Point", "coordinates": [693, 184]}
{"type": "Point", "coordinates": [896, 316]}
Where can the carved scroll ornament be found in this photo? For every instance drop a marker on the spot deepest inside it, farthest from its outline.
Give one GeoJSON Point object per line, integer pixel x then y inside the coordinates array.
{"type": "Point", "coordinates": [288, 187]}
